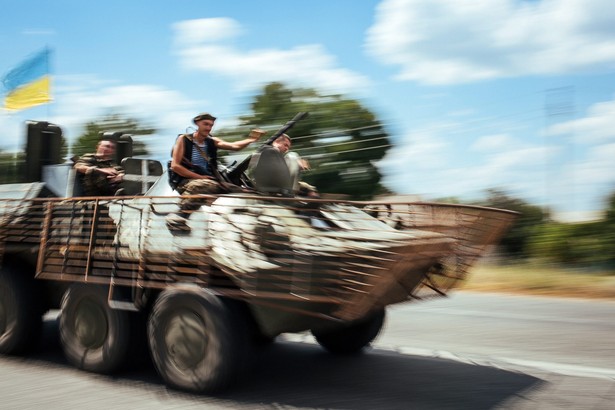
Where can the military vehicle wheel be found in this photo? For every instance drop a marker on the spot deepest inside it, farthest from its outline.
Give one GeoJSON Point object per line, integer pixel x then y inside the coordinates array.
{"type": "Point", "coordinates": [20, 314]}
{"type": "Point", "coordinates": [196, 341]}
{"type": "Point", "coordinates": [94, 337]}
{"type": "Point", "coordinates": [351, 338]}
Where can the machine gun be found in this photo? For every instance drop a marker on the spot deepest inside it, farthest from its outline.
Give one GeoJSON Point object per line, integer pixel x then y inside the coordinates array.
{"type": "Point", "coordinates": [235, 173]}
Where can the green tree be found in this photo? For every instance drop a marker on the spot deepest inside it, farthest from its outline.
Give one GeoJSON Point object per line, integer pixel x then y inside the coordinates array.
{"type": "Point", "coordinates": [13, 164]}
{"type": "Point", "coordinates": [609, 228]}
{"type": "Point", "coordinates": [87, 141]}
{"type": "Point", "coordinates": [515, 242]}
{"type": "Point", "coordinates": [341, 138]}
{"type": "Point", "coordinates": [10, 163]}
{"type": "Point", "coordinates": [587, 245]}
{"type": "Point", "coordinates": [572, 244]}
{"type": "Point", "coordinates": [610, 210]}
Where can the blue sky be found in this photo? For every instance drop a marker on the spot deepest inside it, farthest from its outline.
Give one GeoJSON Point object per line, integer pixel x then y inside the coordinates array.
{"type": "Point", "coordinates": [511, 94]}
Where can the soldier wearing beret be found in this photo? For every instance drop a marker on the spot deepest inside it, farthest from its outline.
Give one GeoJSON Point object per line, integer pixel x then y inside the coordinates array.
{"type": "Point", "coordinates": [194, 160]}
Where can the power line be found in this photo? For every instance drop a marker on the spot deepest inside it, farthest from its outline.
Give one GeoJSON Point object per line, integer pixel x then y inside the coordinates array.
{"type": "Point", "coordinates": [342, 143]}
{"type": "Point", "coordinates": [338, 132]}
{"type": "Point", "coordinates": [347, 151]}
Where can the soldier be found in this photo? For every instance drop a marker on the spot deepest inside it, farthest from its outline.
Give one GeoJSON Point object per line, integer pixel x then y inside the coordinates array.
{"type": "Point", "coordinates": [194, 162]}
{"type": "Point", "coordinates": [100, 175]}
{"type": "Point", "coordinates": [276, 170]}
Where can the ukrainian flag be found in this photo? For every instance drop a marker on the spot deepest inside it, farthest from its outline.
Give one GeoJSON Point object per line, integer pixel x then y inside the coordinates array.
{"type": "Point", "coordinates": [28, 84]}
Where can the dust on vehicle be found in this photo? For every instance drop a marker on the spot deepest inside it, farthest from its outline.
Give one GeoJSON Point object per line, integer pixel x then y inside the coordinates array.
{"type": "Point", "coordinates": [250, 268]}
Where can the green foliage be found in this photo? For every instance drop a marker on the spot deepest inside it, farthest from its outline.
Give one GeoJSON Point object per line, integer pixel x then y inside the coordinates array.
{"type": "Point", "coordinates": [87, 141]}
{"type": "Point", "coordinates": [550, 242]}
{"type": "Point", "coordinates": [583, 244]}
{"type": "Point", "coordinates": [535, 236]}
{"type": "Point", "coordinates": [515, 242]}
{"type": "Point", "coordinates": [341, 138]}
{"type": "Point", "coordinates": [610, 210]}
{"type": "Point", "coordinates": [608, 229]}
{"type": "Point", "coordinates": [449, 200]}
{"type": "Point", "coordinates": [10, 164]}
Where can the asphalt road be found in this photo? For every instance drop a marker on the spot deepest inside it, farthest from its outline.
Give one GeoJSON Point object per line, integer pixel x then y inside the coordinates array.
{"type": "Point", "coordinates": [470, 351]}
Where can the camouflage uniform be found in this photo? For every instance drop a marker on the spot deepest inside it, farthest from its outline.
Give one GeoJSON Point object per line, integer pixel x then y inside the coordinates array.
{"type": "Point", "coordinates": [95, 183]}
{"type": "Point", "coordinates": [197, 187]}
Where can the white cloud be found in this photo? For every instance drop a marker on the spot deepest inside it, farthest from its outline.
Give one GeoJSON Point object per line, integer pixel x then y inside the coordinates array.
{"type": "Point", "coordinates": [598, 166]}
{"type": "Point", "coordinates": [80, 99]}
{"type": "Point", "coordinates": [305, 65]}
{"type": "Point", "coordinates": [39, 32]}
{"type": "Point", "coordinates": [421, 150]}
{"type": "Point", "coordinates": [427, 163]}
{"type": "Point", "coordinates": [587, 174]}
{"type": "Point", "coordinates": [585, 183]}
{"type": "Point", "coordinates": [193, 33]}
{"type": "Point", "coordinates": [11, 130]}
{"type": "Point", "coordinates": [598, 125]}
{"type": "Point", "coordinates": [449, 42]}
{"type": "Point", "coordinates": [489, 143]}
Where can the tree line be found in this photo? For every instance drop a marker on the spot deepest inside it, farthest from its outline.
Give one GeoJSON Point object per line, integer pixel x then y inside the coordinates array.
{"type": "Point", "coordinates": [343, 140]}
{"type": "Point", "coordinates": [538, 237]}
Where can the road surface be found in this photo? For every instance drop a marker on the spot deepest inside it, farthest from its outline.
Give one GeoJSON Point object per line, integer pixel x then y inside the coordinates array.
{"type": "Point", "coordinates": [470, 351]}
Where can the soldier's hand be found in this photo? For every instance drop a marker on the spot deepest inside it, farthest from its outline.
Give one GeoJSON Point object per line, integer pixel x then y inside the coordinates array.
{"type": "Point", "coordinates": [304, 164]}
{"type": "Point", "coordinates": [110, 172]}
{"type": "Point", "coordinates": [115, 177]}
{"type": "Point", "coordinates": [256, 134]}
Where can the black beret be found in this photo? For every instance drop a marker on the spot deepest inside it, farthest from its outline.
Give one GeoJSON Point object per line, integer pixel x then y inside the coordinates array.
{"type": "Point", "coordinates": [203, 116]}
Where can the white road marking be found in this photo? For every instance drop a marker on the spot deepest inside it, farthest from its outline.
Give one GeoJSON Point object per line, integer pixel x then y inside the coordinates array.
{"type": "Point", "coordinates": [507, 363]}
{"type": "Point", "coordinates": [504, 363]}
{"type": "Point", "coordinates": [518, 316]}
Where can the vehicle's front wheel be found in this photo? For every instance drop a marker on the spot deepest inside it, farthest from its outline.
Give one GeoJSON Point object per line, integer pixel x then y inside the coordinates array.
{"type": "Point", "coordinates": [197, 340]}
{"type": "Point", "coordinates": [353, 337]}
{"type": "Point", "coordinates": [20, 312]}
{"type": "Point", "coordinates": [94, 337]}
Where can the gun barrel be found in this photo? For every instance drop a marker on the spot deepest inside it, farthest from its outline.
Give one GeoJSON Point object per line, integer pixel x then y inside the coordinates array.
{"type": "Point", "coordinates": [233, 174]}
{"type": "Point", "coordinates": [298, 117]}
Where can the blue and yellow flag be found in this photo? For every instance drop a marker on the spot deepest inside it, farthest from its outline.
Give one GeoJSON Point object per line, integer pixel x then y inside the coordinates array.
{"type": "Point", "coordinates": [28, 84]}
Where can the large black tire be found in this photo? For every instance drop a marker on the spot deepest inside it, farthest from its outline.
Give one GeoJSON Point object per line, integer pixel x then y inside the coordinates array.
{"type": "Point", "coordinates": [20, 312]}
{"type": "Point", "coordinates": [353, 337]}
{"type": "Point", "coordinates": [94, 337]}
{"type": "Point", "coordinates": [197, 340]}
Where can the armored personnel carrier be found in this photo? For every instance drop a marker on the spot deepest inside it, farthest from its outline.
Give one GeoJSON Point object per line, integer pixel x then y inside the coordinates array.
{"type": "Point", "coordinates": [250, 268]}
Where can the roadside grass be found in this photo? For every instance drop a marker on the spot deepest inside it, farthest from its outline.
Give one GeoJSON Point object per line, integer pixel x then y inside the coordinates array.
{"type": "Point", "coordinates": [540, 280]}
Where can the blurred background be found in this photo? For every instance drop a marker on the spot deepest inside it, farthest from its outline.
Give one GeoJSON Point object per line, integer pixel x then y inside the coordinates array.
{"type": "Point", "coordinates": [504, 103]}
